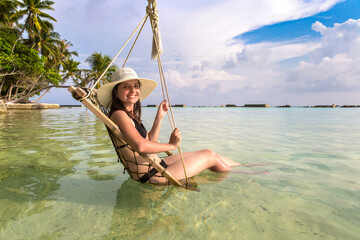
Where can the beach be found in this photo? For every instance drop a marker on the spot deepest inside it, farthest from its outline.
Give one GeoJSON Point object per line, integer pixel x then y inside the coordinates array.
{"type": "Point", "coordinates": [60, 178]}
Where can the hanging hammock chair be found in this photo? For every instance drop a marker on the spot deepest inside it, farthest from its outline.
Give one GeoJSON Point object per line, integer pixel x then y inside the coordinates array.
{"type": "Point", "coordinates": [87, 96]}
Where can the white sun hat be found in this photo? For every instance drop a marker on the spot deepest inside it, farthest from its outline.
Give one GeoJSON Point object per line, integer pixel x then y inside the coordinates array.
{"type": "Point", "coordinates": [124, 74]}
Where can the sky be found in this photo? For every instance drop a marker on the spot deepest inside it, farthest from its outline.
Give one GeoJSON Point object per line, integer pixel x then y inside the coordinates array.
{"type": "Point", "coordinates": [218, 52]}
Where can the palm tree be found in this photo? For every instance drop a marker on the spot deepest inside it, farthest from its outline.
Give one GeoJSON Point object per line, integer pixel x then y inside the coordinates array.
{"type": "Point", "coordinates": [98, 64]}
{"type": "Point", "coordinates": [63, 51]}
{"type": "Point", "coordinates": [46, 43]}
{"type": "Point", "coordinates": [71, 71]}
{"type": "Point", "coordinates": [7, 9]}
{"type": "Point", "coordinates": [35, 21]}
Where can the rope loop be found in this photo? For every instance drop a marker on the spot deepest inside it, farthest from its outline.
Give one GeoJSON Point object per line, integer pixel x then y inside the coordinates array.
{"type": "Point", "coordinates": [88, 93]}
{"type": "Point", "coordinates": [151, 9]}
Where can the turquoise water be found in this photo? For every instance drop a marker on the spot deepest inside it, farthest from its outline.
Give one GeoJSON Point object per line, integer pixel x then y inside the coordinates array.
{"type": "Point", "coordinates": [60, 179]}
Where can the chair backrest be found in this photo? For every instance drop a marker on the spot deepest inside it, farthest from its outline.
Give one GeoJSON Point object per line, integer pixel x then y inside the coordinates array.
{"type": "Point", "coordinates": [128, 157]}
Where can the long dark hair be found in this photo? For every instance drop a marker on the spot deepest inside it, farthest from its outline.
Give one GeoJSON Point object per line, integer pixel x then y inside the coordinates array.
{"type": "Point", "coordinates": [116, 104]}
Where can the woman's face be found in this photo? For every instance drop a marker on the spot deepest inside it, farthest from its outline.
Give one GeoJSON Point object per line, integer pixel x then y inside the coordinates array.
{"type": "Point", "coordinates": [128, 92]}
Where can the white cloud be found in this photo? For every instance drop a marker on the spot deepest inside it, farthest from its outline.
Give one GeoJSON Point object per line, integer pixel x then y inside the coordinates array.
{"type": "Point", "coordinates": [203, 39]}
{"type": "Point", "coordinates": [335, 65]}
{"type": "Point", "coordinates": [174, 77]}
{"type": "Point", "coordinates": [192, 31]}
{"type": "Point", "coordinates": [342, 38]}
{"type": "Point", "coordinates": [200, 53]}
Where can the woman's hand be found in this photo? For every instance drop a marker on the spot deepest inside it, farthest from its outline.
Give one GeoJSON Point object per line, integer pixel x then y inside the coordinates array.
{"type": "Point", "coordinates": [175, 138]}
{"type": "Point", "coordinates": [155, 130]}
{"type": "Point", "coordinates": [163, 108]}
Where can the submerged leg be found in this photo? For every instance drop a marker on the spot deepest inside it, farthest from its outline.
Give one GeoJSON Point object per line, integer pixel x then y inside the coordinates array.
{"type": "Point", "coordinates": [229, 162]}
{"type": "Point", "coordinates": [255, 164]}
{"type": "Point", "coordinates": [251, 173]}
{"type": "Point", "coordinates": [195, 163]}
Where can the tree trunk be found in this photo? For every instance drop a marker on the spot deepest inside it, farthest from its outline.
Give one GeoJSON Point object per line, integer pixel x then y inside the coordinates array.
{"type": "Point", "coordinates": [8, 74]}
{"type": "Point", "coordinates": [20, 36]}
{"type": "Point", "coordinates": [16, 92]}
{"type": "Point", "coordinates": [32, 87]}
{"type": "Point", "coordinates": [36, 91]}
{"type": "Point", "coordinates": [47, 90]}
{"type": "Point", "coordinates": [9, 92]}
{"type": "Point", "coordinates": [2, 83]}
{"type": "Point", "coordinates": [17, 89]}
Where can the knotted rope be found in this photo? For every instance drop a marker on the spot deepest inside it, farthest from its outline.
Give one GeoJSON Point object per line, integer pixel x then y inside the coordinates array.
{"type": "Point", "coordinates": [153, 13]}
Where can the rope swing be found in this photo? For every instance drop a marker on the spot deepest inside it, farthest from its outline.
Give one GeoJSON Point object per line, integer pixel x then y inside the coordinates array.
{"type": "Point", "coordinates": [156, 52]}
{"type": "Point", "coordinates": [152, 13]}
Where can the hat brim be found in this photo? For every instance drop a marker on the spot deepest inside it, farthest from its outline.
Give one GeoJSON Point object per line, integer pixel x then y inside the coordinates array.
{"type": "Point", "coordinates": [104, 92]}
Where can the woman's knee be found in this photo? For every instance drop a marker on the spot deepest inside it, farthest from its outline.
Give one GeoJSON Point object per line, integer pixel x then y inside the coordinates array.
{"type": "Point", "coordinates": [209, 152]}
{"type": "Point", "coordinates": [211, 155]}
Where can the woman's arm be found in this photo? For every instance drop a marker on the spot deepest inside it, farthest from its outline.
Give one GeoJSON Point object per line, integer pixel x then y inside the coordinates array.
{"type": "Point", "coordinates": [155, 130]}
{"type": "Point", "coordinates": [137, 142]}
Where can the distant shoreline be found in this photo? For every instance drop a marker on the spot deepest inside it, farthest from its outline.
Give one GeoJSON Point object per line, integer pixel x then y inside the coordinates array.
{"type": "Point", "coordinates": [34, 106]}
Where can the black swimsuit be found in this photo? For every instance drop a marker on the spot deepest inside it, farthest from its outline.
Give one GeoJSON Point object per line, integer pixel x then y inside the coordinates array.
{"type": "Point", "coordinates": [142, 131]}
{"type": "Point", "coordinates": [141, 128]}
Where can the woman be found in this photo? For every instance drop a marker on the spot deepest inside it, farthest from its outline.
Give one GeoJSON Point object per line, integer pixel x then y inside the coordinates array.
{"type": "Point", "coordinates": [123, 96]}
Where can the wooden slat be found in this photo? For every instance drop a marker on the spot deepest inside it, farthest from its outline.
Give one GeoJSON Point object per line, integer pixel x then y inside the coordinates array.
{"type": "Point", "coordinates": [113, 127]}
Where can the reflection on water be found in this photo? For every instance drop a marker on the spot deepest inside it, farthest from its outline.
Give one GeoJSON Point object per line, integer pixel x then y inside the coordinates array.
{"type": "Point", "coordinates": [59, 178]}
{"type": "Point", "coordinates": [139, 213]}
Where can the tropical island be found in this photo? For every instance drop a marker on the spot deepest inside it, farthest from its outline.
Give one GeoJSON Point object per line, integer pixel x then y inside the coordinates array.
{"type": "Point", "coordinates": [33, 56]}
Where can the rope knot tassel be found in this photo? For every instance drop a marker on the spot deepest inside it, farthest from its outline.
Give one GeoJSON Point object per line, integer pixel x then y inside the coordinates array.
{"type": "Point", "coordinates": [151, 9]}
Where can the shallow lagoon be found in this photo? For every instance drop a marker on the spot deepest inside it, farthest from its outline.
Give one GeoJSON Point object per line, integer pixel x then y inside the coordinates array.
{"type": "Point", "coordinates": [60, 179]}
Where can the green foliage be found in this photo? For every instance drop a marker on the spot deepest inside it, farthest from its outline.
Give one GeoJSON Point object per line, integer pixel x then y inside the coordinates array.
{"type": "Point", "coordinates": [5, 57]}
{"type": "Point", "coordinates": [23, 59]}
{"type": "Point", "coordinates": [7, 9]}
{"type": "Point", "coordinates": [24, 66]}
{"type": "Point", "coordinates": [27, 65]}
{"type": "Point", "coordinates": [53, 76]}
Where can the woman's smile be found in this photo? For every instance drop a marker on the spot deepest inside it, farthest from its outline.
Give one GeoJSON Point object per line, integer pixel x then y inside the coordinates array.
{"type": "Point", "coordinates": [132, 96]}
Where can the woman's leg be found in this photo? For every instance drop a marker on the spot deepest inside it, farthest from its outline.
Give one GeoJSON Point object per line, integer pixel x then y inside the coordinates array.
{"type": "Point", "coordinates": [176, 157]}
{"type": "Point", "coordinates": [195, 163]}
